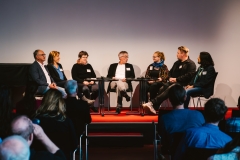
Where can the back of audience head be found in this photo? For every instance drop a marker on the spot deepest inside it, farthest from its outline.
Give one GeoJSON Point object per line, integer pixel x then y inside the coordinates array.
{"type": "Point", "coordinates": [51, 56]}
{"type": "Point", "coordinates": [5, 109]}
{"type": "Point", "coordinates": [177, 95]}
{"type": "Point", "coordinates": [23, 127]}
{"type": "Point", "coordinates": [214, 110]}
{"type": "Point", "coordinates": [71, 87]}
{"type": "Point", "coordinates": [205, 59]}
{"type": "Point", "coordinates": [53, 105]}
{"type": "Point", "coordinates": [14, 148]}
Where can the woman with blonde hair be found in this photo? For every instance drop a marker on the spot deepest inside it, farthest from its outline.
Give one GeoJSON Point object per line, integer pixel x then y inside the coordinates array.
{"type": "Point", "coordinates": [158, 72]}
{"type": "Point", "coordinates": [54, 122]}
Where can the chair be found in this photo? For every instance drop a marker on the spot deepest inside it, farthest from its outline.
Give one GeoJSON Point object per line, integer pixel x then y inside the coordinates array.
{"type": "Point", "coordinates": [202, 96]}
{"type": "Point", "coordinates": [80, 146]}
{"type": "Point", "coordinates": [199, 153]}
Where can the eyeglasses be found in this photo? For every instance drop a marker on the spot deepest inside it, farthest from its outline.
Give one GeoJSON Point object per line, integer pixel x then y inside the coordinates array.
{"type": "Point", "coordinates": [125, 56]}
{"type": "Point", "coordinates": [155, 56]}
{"type": "Point", "coordinates": [41, 54]}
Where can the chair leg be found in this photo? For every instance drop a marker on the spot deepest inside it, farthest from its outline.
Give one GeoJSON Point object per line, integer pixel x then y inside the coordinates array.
{"type": "Point", "coordinates": [193, 102]}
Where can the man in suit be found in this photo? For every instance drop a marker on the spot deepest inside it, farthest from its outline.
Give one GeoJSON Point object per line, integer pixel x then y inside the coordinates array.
{"type": "Point", "coordinates": [119, 72]}
{"type": "Point", "coordinates": [39, 76]}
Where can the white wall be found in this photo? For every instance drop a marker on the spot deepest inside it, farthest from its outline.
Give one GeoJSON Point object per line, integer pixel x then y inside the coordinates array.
{"type": "Point", "coordinates": [105, 27]}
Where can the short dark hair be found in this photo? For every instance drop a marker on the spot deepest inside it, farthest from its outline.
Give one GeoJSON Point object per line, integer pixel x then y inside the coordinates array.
{"type": "Point", "coordinates": [35, 53]}
{"type": "Point", "coordinates": [214, 110]}
{"type": "Point", "coordinates": [206, 59]}
{"type": "Point", "coordinates": [177, 95]}
{"type": "Point", "coordinates": [81, 53]}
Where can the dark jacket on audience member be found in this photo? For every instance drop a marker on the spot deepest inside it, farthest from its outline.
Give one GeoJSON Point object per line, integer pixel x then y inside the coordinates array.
{"type": "Point", "coordinates": [54, 74]}
{"type": "Point", "coordinates": [81, 72]}
{"type": "Point", "coordinates": [183, 71]}
{"type": "Point", "coordinates": [62, 133]}
{"type": "Point", "coordinates": [45, 155]}
{"type": "Point", "coordinates": [129, 73]}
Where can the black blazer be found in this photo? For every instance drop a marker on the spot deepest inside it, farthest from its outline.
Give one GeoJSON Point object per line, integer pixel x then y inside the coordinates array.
{"type": "Point", "coordinates": [206, 80]}
{"type": "Point", "coordinates": [128, 73]}
{"type": "Point", "coordinates": [54, 74]}
{"type": "Point", "coordinates": [37, 77]}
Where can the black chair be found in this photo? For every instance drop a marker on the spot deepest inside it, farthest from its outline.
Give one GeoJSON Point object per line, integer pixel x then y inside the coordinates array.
{"type": "Point", "coordinates": [202, 96]}
{"type": "Point", "coordinates": [199, 153]}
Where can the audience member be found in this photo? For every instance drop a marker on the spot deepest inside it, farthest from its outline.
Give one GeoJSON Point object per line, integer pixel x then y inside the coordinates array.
{"type": "Point", "coordinates": [81, 71]}
{"type": "Point", "coordinates": [181, 73]}
{"type": "Point", "coordinates": [77, 110]}
{"type": "Point", "coordinates": [54, 122]}
{"type": "Point", "coordinates": [203, 81]}
{"type": "Point", "coordinates": [177, 121]}
{"type": "Point", "coordinates": [14, 148]}
{"type": "Point", "coordinates": [119, 72]}
{"type": "Point", "coordinates": [230, 152]}
{"type": "Point", "coordinates": [208, 136]}
{"type": "Point", "coordinates": [39, 76]}
{"type": "Point", "coordinates": [158, 71]}
{"type": "Point", "coordinates": [55, 68]}
{"type": "Point", "coordinates": [23, 127]}
{"type": "Point", "coordinates": [6, 110]}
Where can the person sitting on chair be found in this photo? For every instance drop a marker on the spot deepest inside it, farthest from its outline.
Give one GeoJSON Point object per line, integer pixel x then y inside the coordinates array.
{"type": "Point", "coordinates": [14, 147]}
{"type": "Point", "coordinates": [39, 76]}
{"type": "Point", "coordinates": [177, 121]}
{"type": "Point", "coordinates": [181, 73]}
{"type": "Point", "coordinates": [158, 71]}
{"type": "Point", "coordinates": [55, 68]}
{"type": "Point", "coordinates": [24, 127]}
{"type": "Point", "coordinates": [119, 72]}
{"type": "Point", "coordinates": [81, 71]}
{"type": "Point", "coordinates": [203, 81]}
{"type": "Point", "coordinates": [207, 136]}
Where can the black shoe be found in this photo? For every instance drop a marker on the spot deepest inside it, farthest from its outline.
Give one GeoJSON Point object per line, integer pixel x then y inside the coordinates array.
{"type": "Point", "coordinates": [118, 110]}
{"type": "Point", "coordinates": [93, 109]}
{"type": "Point", "coordinates": [127, 98]}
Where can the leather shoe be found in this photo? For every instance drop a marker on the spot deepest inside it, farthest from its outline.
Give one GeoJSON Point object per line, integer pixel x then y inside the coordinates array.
{"type": "Point", "coordinates": [118, 110]}
{"type": "Point", "coordinates": [93, 109]}
{"type": "Point", "coordinates": [127, 98]}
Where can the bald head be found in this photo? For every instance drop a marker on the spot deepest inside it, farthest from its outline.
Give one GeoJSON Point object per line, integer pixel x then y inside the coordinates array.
{"type": "Point", "coordinates": [14, 147]}
{"type": "Point", "coordinates": [22, 126]}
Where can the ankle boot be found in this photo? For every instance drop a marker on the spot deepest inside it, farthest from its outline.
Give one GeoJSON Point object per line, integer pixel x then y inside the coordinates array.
{"type": "Point", "coordinates": [124, 94]}
{"type": "Point", "coordinates": [89, 101]}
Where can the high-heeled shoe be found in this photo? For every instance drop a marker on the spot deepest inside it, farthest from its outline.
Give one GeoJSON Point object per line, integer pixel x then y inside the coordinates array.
{"type": "Point", "coordinates": [89, 101]}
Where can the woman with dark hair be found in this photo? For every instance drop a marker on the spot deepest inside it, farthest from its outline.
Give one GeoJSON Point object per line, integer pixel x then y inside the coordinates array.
{"type": "Point", "coordinates": [6, 110]}
{"type": "Point", "coordinates": [203, 81]}
{"type": "Point", "coordinates": [158, 71]}
{"type": "Point", "coordinates": [55, 68]}
{"type": "Point", "coordinates": [80, 71]}
{"type": "Point", "coordinates": [54, 122]}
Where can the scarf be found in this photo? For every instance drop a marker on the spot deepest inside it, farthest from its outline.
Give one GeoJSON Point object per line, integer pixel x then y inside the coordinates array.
{"type": "Point", "coordinates": [158, 65]}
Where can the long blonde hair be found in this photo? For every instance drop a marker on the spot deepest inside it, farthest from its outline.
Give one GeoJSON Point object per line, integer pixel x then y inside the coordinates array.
{"type": "Point", "coordinates": [52, 105]}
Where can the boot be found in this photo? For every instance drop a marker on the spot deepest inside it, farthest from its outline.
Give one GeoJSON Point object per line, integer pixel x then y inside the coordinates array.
{"type": "Point", "coordinates": [89, 101]}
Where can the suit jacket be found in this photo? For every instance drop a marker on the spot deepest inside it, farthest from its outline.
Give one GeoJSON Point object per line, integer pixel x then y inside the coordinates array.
{"type": "Point", "coordinates": [54, 74]}
{"type": "Point", "coordinates": [37, 77]}
{"type": "Point", "coordinates": [205, 81]}
{"type": "Point", "coordinates": [128, 73]}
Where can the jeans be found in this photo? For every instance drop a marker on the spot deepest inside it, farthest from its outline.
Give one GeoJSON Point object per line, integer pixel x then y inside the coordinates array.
{"type": "Point", "coordinates": [190, 92]}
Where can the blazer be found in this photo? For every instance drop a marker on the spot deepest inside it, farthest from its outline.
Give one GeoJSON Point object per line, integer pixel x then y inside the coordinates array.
{"type": "Point", "coordinates": [128, 73]}
{"type": "Point", "coordinates": [205, 80]}
{"type": "Point", "coordinates": [37, 77]}
{"type": "Point", "coordinates": [54, 74]}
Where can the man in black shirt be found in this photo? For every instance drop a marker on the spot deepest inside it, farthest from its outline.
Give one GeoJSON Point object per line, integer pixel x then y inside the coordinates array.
{"type": "Point", "coordinates": [181, 73]}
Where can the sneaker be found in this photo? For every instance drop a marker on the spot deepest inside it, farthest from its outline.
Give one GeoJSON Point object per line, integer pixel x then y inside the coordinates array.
{"type": "Point", "coordinates": [148, 107]}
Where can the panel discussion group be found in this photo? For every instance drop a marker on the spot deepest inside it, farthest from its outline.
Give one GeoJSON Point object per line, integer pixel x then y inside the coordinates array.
{"type": "Point", "coordinates": [66, 104]}
{"type": "Point", "coordinates": [161, 79]}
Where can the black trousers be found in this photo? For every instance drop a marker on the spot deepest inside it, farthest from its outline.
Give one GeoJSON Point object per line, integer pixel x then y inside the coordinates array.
{"type": "Point", "coordinates": [87, 89]}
